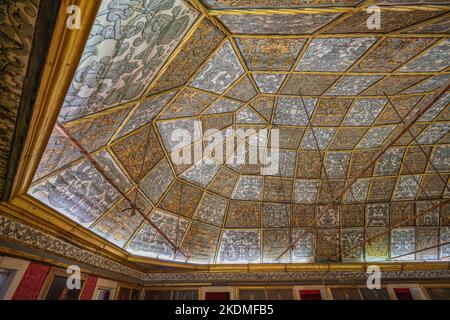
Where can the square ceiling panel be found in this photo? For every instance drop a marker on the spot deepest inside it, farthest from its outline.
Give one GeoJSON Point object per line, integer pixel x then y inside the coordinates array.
{"type": "Point", "coordinates": [277, 24]}
{"type": "Point", "coordinates": [264, 54]}
{"type": "Point", "coordinates": [333, 54]}
{"type": "Point", "coordinates": [220, 71]}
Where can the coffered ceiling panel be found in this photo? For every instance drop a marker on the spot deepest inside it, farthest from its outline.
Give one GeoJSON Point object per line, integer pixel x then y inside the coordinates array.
{"type": "Point", "coordinates": [265, 54]}
{"type": "Point", "coordinates": [278, 24]}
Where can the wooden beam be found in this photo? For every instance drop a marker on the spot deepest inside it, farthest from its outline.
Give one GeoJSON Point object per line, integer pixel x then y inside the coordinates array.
{"type": "Point", "coordinates": [66, 48]}
{"type": "Point", "coordinates": [408, 124]}
{"type": "Point", "coordinates": [95, 164]}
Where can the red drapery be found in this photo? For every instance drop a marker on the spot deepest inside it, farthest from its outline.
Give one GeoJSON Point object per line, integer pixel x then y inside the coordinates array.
{"type": "Point", "coordinates": [89, 287]}
{"type": "Point", "coordinates": [32, 282]}
{"type": "Point", "coordinates": [403, 294]}
{"type": "Point", "coordinates": [217, 296]}
{"type": "Point", "coordinates": [310, 295]}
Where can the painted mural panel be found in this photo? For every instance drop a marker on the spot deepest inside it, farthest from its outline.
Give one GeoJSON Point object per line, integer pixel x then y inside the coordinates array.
{"type": "Point", "coordinates": [200, 242]}
{"type": "Point", "coordinates": [220, 71]}
{"type": "Point", "coordinates": [80, 192]}
{"type": "Point", "coordinates": [128, 43]}
{"type": "Point", "coordinates": [265, 54]}
{"type": "Point", "coordinates": [275, 23]}
{"type": "Point", "coordinates": [17, 28]}
{"type": "Point", "coordinates": [240, 246]}
{"type": "Point", "coordinates": [193, 53]}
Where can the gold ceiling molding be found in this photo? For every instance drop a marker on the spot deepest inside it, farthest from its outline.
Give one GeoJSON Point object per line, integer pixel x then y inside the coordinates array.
{"type": "Point", "coordinates": [25, 208]}
{"type": "Point", "coordinates": [393, 34]}
{"type": "Point", "coordinates": [278, 11]}
{"type": "Point", "coordinates": [206, 13]}
{"type": "Point", "coordinates": [406, 8]}
{"type": "Point", "coordinates": [97, 245]}
{"type": "Point", "coordinates": [64, 54]}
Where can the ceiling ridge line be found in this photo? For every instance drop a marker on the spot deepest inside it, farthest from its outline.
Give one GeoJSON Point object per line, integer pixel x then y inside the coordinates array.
{"type": "Point", "coordinates": [100, 170]}
{"type": "Point", "coordinates": [360, 6]}
{"type": "Point", "coordinates": [321, 10]}
{"type": "Point", "coordinates": [416, 116]}
{"type": "Point", "coordinates": [189, 34]}
{"type": "Point", "coordinates": [225, 219]}
{"type": "Point", "coordinates": [330, 188]}
{"type": "Point", "coordinates": [402, 119]}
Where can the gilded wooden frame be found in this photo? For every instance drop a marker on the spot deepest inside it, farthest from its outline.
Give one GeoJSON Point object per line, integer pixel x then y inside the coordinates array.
{"type": "Point", "coordinates": [55, 271]}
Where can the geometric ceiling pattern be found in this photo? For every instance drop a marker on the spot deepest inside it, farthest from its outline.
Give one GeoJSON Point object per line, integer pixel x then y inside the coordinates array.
{"type": "Point", "coordinates": [336, 91]}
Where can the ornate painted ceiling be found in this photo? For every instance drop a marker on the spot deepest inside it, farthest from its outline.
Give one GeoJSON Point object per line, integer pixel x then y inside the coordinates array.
{"type": "Point", "coordinates": [311, 69]}
{"type": "Point", "coordinates": [17, 26]}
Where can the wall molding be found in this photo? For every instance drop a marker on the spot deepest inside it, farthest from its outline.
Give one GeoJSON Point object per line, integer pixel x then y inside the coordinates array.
{"type": "Point", "coordinates": [12, 230]}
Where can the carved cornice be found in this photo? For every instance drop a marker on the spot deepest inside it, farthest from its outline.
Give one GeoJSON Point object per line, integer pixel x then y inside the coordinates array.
{"type": "Point", "coordinates": [16, 231]}
{"type": "Point", "coordinates": [12, 230]}
{"type": "Point", "coordinates": [298, 277]}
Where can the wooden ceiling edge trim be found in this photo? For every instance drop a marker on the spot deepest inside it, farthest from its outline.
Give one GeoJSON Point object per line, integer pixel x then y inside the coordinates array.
{"type": "Point", "coordinates": [64, 54]}
{"type": "Point", "coordinates": [324, 10]}
{"type": "Point", "coordinates": [32, 212]}
{"type": "Point", "coordinates": [84, 242]}
{"type": "Point", "coordinates": [85, 270]}
{"type": "Point", "coordinates": [43, 30]}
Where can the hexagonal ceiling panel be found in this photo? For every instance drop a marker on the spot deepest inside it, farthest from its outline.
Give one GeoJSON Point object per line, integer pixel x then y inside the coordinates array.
{"type": "Point", "coordinates": [337, 92]}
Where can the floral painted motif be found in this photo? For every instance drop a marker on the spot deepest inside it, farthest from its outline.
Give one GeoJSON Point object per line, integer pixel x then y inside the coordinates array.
{"type": "Point", "coordinates": [240, 246]}
{"type": "Point", "coordinates": [333, 54]}
{"type": "Point", "coordinates": [364, 112]}
{"type": "Point", "coordinates": [291, 111]}
{"type": "Point", "coordinates": [392, 53]}
{"type": "Point", "coordinates": [264, 54]}
{"type": "Point", "coordinates": [220, 72]}
{"type": "Point", "coordinates": [403, 243]}
{"type": "Point", "coordinates": [268, 83]}
{"type": "Point", "coordinates": [248, 188]}
{"type": "Point", "coordinates": [243, 215]}
{"type": "Point", "coordinates": [351, 244]}
{"type": "Point", "coordinates": [275, 241]}
{"type": "Point", "coordinates": [200, 242]}
{"type": "Point", "coordinates": [352, 85]}
{"type": "Point", "coordinates": [275, 23]}
{"type": "Point", "coordinates": [276, 215]}
{"type": "Point", "coordinates": [157, 180]}
{"type": "Point", "coordinates": [79, 192]}
{"type": "Point", "coordinates": [193, 53]}
{"type": "Point", "coordinates": [435, 59]}
{"type": "Point", "coordinates": [211, 209]}
{"type": "Point", "coordinates": [128, 43]}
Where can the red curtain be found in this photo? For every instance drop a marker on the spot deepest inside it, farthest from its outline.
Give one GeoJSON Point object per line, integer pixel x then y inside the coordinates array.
{"type": "Point", "coordinates": [32, 282]}
{"type": "Point", "coordinates": [310, 295]}
{"type": "Point", "coordinates": [217, 296]}
{"type": "Point", "coordinates": [89, 287]}
{"type": "Point", "coordinates": [403, 294]}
